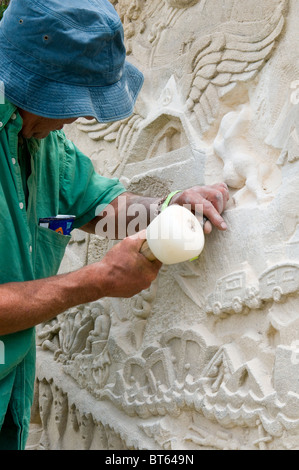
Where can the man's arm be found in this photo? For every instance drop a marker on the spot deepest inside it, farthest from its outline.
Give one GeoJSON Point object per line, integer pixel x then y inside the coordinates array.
{"type": "Point", "coordinates": [130, 213]}
{"type": "Point", "coordinates": [123, 272]}
{"type": "Point", "coordinates": [126, 215]}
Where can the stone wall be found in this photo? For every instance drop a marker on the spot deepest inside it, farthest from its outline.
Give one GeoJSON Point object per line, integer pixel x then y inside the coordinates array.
{"type": "Point", "coordinates": [208, 357]}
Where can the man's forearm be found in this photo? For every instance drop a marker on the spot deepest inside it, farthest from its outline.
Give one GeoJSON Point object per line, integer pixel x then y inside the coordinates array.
{"type": "Point", "coordinates": [122, 272]}
{"type": "Point", "coordinates": [25, 304]}
{"type": "Point", "coordinates": [126, 215]}
{"type": "Point", "coordinates": [130, 213]}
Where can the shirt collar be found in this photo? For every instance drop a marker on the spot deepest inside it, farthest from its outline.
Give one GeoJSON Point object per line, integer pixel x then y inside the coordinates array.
{"type": "Point", "coordinates": [10, 111]}
{"type": "Point", "coordinates": [6, 111]}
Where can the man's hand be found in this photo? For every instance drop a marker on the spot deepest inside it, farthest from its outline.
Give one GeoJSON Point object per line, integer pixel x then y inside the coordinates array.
{"type": "Point", "coordinates": [208, 201]}
{"type": "Point", "coordinates": [124, 271]}
{"type": "Point", "coordinates": [211, 200]}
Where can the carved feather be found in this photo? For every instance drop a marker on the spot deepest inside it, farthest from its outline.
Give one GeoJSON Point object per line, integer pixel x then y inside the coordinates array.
{"type": "Point", "coordinates": [221, 60]}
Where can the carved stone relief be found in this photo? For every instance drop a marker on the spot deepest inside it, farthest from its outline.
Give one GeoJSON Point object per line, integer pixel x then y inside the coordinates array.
{"type": "Point", "coordinates": [208, 357]}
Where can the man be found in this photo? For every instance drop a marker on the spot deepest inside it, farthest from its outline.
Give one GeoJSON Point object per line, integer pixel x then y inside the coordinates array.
{"type": "Point", "coordinates": [58, 61]}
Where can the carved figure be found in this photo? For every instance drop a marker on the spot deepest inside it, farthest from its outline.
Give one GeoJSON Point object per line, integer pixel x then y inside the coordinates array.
{"type": "Point", "coordinates": [222, 60]}
{"type": "Point", "coordinates": [45, 405]}
{"type": "Point", "coordinates": [97, 337]}
{"type": "Point", "coordinates": [48, 335]}
{"type": "Point", "coordinates": [60, 401]}
{"type": "Point", "coordinates": [206, 66]}
{"type": "Point", "coordinates": [242, 169]}
{"type": "Point", "coordinates": [75, 328]}
{"type": "Point", "coordinates": [207, 358]}
{"type": "Point", "coordinates": [86, 427]}
{"type": "Point", "coordinates": [182, 3]}
{"type": "Point", "coordinates": [278, 281]}
{"type": "Point", "coordinates": [232, 293]}
{"type": "Point", "coordinates": [100, 367]}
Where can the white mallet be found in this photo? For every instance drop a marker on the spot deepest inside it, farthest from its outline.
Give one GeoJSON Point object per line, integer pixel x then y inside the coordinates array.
{"type": "Point", "coordinates": [174, 236]}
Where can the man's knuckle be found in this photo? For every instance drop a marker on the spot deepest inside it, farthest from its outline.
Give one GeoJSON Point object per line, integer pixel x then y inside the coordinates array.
{"type": "Point", "coordinates": [218, 196]}
{"type": "Point", "coordinates": [208, 205]}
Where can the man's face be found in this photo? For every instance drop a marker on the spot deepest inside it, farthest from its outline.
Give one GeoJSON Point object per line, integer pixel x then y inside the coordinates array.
{"type": "Point", "coordinates": [40, 127]}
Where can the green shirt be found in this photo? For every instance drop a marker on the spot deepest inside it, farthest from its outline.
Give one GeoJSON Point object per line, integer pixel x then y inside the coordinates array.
{"type": "Point", "coordinates": [38, 178]}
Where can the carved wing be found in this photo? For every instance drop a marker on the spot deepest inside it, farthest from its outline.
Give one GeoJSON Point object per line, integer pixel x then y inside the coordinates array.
{"type": "Point", "coordinates": [119, 133]}
{"type": "Point", "coordinates": [222, 60]}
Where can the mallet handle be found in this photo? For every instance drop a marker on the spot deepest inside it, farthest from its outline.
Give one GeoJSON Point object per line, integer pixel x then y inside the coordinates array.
{"type": "Point", "coordinates": [146, 251]}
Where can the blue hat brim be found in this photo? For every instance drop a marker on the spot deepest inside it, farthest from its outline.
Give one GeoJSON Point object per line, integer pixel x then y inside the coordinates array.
{"type": "Point", "coordinates": [56, 100]}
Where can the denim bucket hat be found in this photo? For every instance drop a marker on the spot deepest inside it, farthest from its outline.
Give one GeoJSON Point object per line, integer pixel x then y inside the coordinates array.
{"type": "Point", "coordinates": [66, 58]}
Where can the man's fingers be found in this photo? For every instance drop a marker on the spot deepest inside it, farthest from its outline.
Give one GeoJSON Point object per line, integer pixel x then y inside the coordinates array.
{"type": "Point", "coordinates": [218, 195]}
{"type": "Point", "coordinates": [209, 201]}
{"type": "Point", "coordinates": [208, 227]}
{"type": "Point", "coordinates": [213, 215]}
{"type": "Point", "coordinates": [139, 236]}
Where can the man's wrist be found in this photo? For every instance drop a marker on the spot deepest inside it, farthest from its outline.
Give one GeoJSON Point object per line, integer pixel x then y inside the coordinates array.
{"type": "Point", "coordinates": [164, 202]}
{"type": "Point", "coordinates": [87, 283]}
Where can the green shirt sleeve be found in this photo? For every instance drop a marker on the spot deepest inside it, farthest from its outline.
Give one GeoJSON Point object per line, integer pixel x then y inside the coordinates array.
{"type": "Point", "coordinates": [82, 189]}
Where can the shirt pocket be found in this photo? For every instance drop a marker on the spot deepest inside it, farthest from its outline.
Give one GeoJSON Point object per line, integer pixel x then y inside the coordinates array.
{"type": "Point", "coordinates": [49, 250]}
